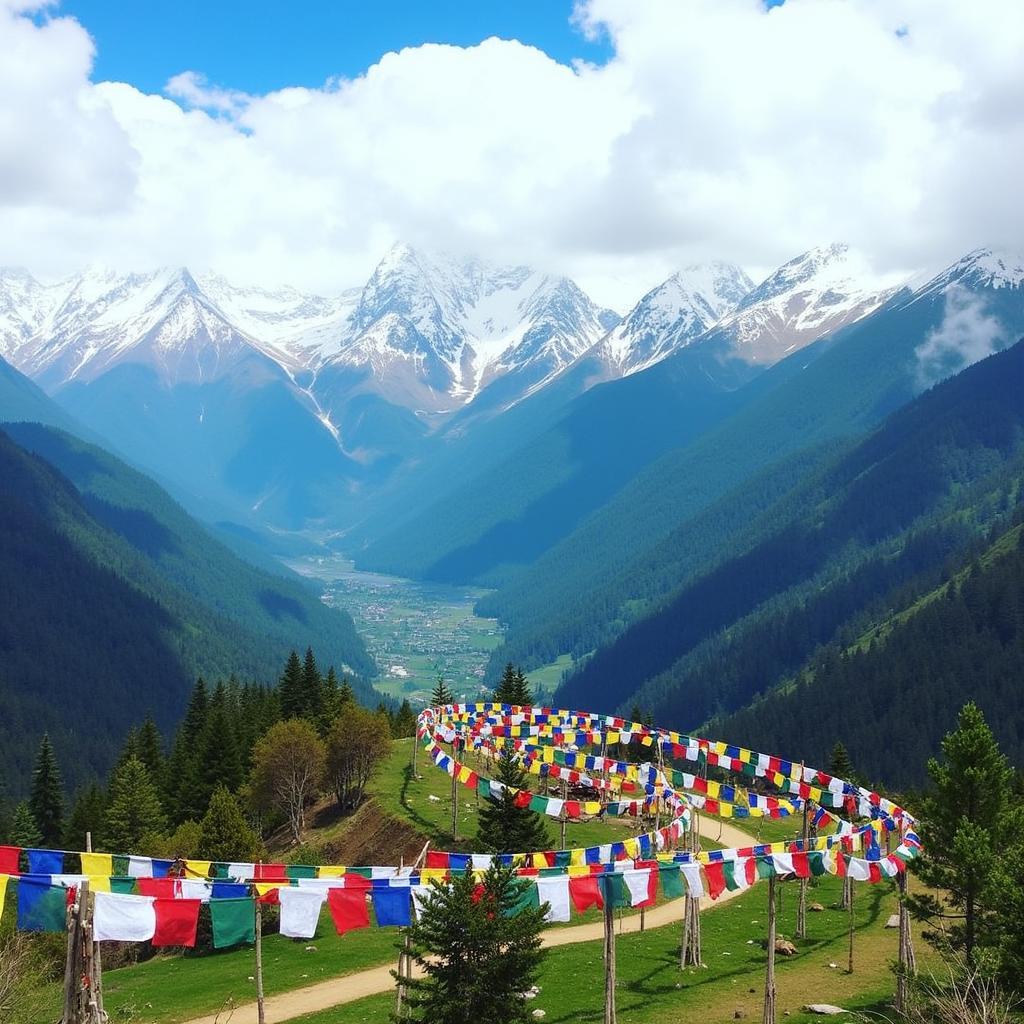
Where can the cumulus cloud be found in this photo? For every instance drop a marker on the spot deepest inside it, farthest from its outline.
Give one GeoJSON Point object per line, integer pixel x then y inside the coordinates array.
{"type": "Point", "coordinates": [718, 129]}
{"type": "Point", "coordinates": [968, 333]}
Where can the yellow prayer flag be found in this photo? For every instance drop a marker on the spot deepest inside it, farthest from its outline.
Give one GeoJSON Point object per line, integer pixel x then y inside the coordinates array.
{"type": "Point", "coordinates": [725, 810]}
{"type": "Point", "coordinates": [432, 874]}
{"type": "Point", "coordinates": [198, 868]}
{"type": "Point", "coordinates": [97, 864]}
{"type": "Point", "coordinates": [578, 871]}
{"type": "Point", "coordinates": [3, 893]}
{"type": "Point", "coordinates": [592, 807]}
{"type": "Point", "coordinates": [99, 883]}
{"type": "Point", "coordinates": [577, 858]}
{"type": "Point", "coordinates": [331, 871]}
{"type": "Point", "coordinates": [612, 736]}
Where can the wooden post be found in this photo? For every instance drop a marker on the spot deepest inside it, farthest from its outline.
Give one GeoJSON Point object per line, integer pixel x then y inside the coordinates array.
{"type": "Point", "coordinates": [609, 956]}
{"type": "Point", "coordinates": [769, 978]}
{"type": "Point", "coordinates": [801, 906]}
{"type": "Point", "coordinates": [261, 1011]}
{"type": "Point", "coordinates": [562, 819]}
{"type": "Point", "coordinates": [849, 968]}
{"type": "Point", "coordinates": [73, 959]}
{"type": "Point", "coordinates": [96, 959]}
{"type": "Point", "coordinates": [455, 792]}
{"type": "Point", "coordinates": [907, 960]}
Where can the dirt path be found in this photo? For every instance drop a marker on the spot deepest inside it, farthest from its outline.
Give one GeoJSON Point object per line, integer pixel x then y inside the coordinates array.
{"type": "Point", "coordinates": [375, 980]}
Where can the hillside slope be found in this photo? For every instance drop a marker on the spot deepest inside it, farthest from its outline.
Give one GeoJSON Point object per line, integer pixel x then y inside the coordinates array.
{"type": "Point", "coordinates": [114, 600]}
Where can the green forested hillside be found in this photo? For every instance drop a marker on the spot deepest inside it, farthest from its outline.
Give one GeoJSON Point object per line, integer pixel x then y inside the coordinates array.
{"type": "Point", "coordinates": [883, 520]}
{"type": "Point", "coordinates": [114, 600]}
{"type": "Point", "coordinates": [866, 372]}
{"type": "Point", "coordinates": [891, 697]}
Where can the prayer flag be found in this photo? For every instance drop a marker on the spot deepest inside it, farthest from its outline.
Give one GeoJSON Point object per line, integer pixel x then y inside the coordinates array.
{"type": "Point", "coordinates": [348, 909]}
{"type": "Point", "coordinates": [10, 858]}
{"type": "Point", "coordinates": [392, 907]}
{"type": "Point", "coordinates": [300, 911]}
{"type": "Point", "coordinates": [120, 918]}
{"type": "Point", "coordinates": [234, 921]}
{"type": "Point", "coordinates": [585, 893]}
{"type": "Point", "coordinates": [555, 892]}
{"type": "Point", "coordinates": [45, 862]}
{"type": "Point", "coordinates": [177, 921]}
{"type": "Point", "coordinates": [41, 905]}
{"type": "Point", "coordinates": [97, 865]}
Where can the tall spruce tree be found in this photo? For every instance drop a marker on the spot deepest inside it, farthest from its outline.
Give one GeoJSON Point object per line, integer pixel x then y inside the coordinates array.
{"type": "Point", "coordinates": [220, 763]}
{"type": "Point", "coordinates": [505, 691]}
{"type": "Point", "coordinates": [134, 812]}
{"type": "Point", "coordinates": [292, 689]}
{"type": "Point", "coordinates": [441, 694]}
{"type": "Point", "coordinates": [150, 748]}
{"type": "Point", "coordinates": [312, 688]}
{"type": "Point", "coordinates": [404, 721]}
{"type": "Point", "coordinates": [963, 824]}
{"type": "Point", "coordinates": [179, 774]}
{"type": "Point", "coordinates": [24, 831]}
{"type": "Point", "coordinates": [478, 947]}
{"type": "Point", "coordinates": [46, 801]}
{"type": "Point", "coordinates": [503, 827]}
{"type": "Point", "coordinates": [87, 814]}
{"type": "Point", "coordinates": [839, 764]}
{"type": "Point", "coordinates": [523, 692]}
{"type": "Point", "coordinates": [224, 834]}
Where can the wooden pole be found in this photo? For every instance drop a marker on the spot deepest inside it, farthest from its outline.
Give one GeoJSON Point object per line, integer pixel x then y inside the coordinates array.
{"type": "Point", "coordinates": [562, 819]}
{"type": "Point", "coordinates": [907, 959]}
{"type": "Point", "coordinates": [261, 1010]}
{"type": "Point", "coordinates": [96, 959]}
{"type": "Point", "coordinates": [455, 793]}
{"type": "Point", "coordinates": [769, 978]}
{"type": "Point", "coordinates": [849, 968]}
{"type": "Point", "coordinates": [609, 956]}
{"type": "Point", "coordinates": [73, 960]}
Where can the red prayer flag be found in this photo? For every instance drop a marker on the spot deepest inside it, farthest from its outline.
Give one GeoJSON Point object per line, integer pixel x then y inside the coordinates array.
{"type": "Point", "coordinates": [162, 888]}
{"type": "Point", "coordinates": [715, 874]}
{"type": "Point", "coordinates": [585, 892]}
{"type": "Point", "coordinates": [9, 859]}
{"type": "Point", "coordinates": [356, 882]}
{"type": "Point", "coordinates": [876, 871]}
{"type": "Point", "coordinates": [801, 865]}
{"type": "Point", "coordinates": [176, 922]}
{"type": "Point", "coordinates": [840, 864]}
{"type": "Point", "coordinates": [437, 859]}
{"type": "Point", "coordinates": [522, 798]}
{"type": "Point", "coordinates": [572, 808]}
{"type": "Point", "coordinates": [348, 909]}
{"type": "Point", "coordinates": [269, 873]}
{"type": "Point", "coordinates": [652, 882]}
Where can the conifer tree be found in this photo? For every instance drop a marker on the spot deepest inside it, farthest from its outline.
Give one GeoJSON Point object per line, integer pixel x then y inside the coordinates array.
{"type": "Point", "coordinates": [150, 748]}
{"type": "Point", "coordinates": [522, 690]}
{"type": "Point", "coordinates": [963, 825]}
{"type": "Point", "coordinates": [312, 688]}
{"type": "Point", "coordinates": [292, 689]}
{"type": "Point", "coordinates": [134, 811]}
{"type": "Point", "coordinates": [219, 762]}
{"type": "Point", "coordinates": [331, 700]}
{"type": "Point", "coordinates": [504, 827]}
{"type": "Point", "coordinates": [224, 834]}
{"type": "Point", "coordinates": [505, 691]}
{"type": "Point", "coordinates": [87, 814]}
{"type": "Point", "coordinates": [24, 830]}
{"type": "Point", "coordinates": [441, 694]}
{"type": "Point", "coordinates": [404, 721]}
{"type": "Point", "coordinates": [839, 764]}
{"type": "Point", "coordinates": [46, 800]}
{"type": "Point", "coordinates": [478, 946]}
{"type": "Point", "coordinates": [346, 695]}
{"type": "Point", "coordinates": [179, 775]}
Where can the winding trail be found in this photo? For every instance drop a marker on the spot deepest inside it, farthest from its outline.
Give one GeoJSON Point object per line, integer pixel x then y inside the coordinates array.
{"type": "Point", "coordinates": [375, 980]}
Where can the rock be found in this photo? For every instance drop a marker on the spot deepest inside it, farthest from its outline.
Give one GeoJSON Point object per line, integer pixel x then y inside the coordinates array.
{"type": "Point", "coordinates": [893, 922]}
{"type": "Point", "coordinates": [817, 908]}
{"type": "Point", "coordinates": [433, 799]}
{"type": "Point", "coordinates": [752, 990]}
{"type": "Point", "coordinates": [834, 966]}
{"type": "Point", "coordinates": [538, 1014]}
{"type": "Point", "coordinates": [311, 949]}
{"type": "Point", "coordinates": [739, 1015]}
{"type": "Point", "coordinates": [825, 1009]}
{"type": "Point", "coordinates": [784, 947]}
{"type": "Point", "coordinates": [528, 995]}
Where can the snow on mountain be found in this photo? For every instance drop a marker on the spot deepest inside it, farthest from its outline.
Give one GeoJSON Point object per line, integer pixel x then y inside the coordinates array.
{"type": "Point", "coordinates": [24, 304]}
{"type": "Point", "coordinates": [981, 268]}
{"type": "Point", "coordinates": [812, 295]}
{"type": "Point", "coordinates": [434, 330]}
{"type": "Point", "coordinates": [673, 315]}
{"type": "Point", "coordinates": [162, 319]}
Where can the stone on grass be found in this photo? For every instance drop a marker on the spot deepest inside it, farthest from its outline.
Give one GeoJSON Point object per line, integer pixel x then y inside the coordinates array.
{"type": "Point", "coordinates": [817, 908]}
{"type": "Point", "coordinates": [784, 947]}
{"type": "Point", "coordinates": [825, 1009]}
{"type": "Point", "coordinates": [893, 922]}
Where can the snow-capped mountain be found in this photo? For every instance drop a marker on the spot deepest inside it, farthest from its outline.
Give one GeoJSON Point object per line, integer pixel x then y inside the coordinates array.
{"type": "Point", "coordinates": [981, 268]}
{"type": "Point", "coordinates": [813, 294]}
{"type": "Point", "coordinates": [672, 316]}
{"type": "Point", "coordinates": [431, 331]}
{"type": "Point", "coordinates": [24, 304]}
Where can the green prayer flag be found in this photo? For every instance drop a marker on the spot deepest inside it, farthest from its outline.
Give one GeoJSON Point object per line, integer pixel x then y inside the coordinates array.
{"type": "Point", "coordinates": [299, 871]}
{"type": "Point", "coordinates": [614, 889]}
{"type": "Point", "coordinates": [551, 872]}
{"type": "Point", "coordinates": [538, 804]}
{"type": "Point", "coordinates": [729, 873]}
{"type": "Point", "coordinates": [483, 787]}
{"type": "Point", "coordinates": [41, 906]}
{"type": "Point", "coordinates": [234, 921]}
{"type": "Point", "coordinates": [122, 885]}
{"type": "Point", "coordinates": [765, 867]}
{"type": "Point", "coordinates": [816, 860]}
{"type": "Point", "coordinates": [671, 881]}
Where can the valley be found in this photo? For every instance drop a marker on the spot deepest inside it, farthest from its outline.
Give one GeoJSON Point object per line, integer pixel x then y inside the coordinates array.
{"type": "Point", "coordinates": [414, 630]}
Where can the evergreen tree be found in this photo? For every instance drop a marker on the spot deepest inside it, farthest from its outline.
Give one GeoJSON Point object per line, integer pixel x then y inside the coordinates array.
{"type": "Point", "coordinates": [522, 690]}
{"type": "Point", "coordinates": [150, 748]}
{"type": "Point", "coordinates": [292, 688]}
{"type": "Point", "coordinates": [963, 825]}
{"type": "Point", "coordinates": [504, 827]}
{"type": "Point", "coordinates": [224, 834]}
{"type": "Point", "coordinates": [87, 814]}
{"type": "Point", "coordinates": [312, 688]}
{"type": "Point", "coordinates": [47, 797]}
{"type": "Point", "coordinates": [346, 695]}
{"type": "Point", "coordinates": [405, 720]}
{"type": "Point", "coordinates": [505, 691]}
{"type": "Point", "coordinates": [24, 830]}
{"type": "Point", "coordinates": [441, 695]}
{"type": "Point", "coordinates": [479, 949]}
{"type": "Point", "coordinates": [839, 764]}
{"type": "Point", "coordinates": [219, 761]}
{"type": "Point", "coordinates": [129, 749]}
{"type": "Point", "coordinates": [134, 811]}
{"type": "Point", "coordinates": [180, 772]}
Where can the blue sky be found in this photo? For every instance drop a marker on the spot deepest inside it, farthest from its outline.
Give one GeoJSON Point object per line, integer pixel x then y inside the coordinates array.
{"type": "Point", "coordinates": [256, 47]}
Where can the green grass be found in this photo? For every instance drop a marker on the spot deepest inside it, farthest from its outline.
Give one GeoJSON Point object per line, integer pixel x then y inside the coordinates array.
{"type": "Point", "coordinates": [549, 676]}
{"type": "Point", "coordinates": [652, 989]}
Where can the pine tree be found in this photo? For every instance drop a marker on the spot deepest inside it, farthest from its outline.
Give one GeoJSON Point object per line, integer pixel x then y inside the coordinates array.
{"type": "Point", "coordinates": [505, 691]}
{"type": "Point", "coordinates": [963, 823]}
{"type": "Point", "coordinates": [151, 748]}
{"type": "Point", "coordinates": [24, 830]}
{"type": "Point", "coordinates": [405, 721]}
{"type": "Point", "coordinates": [134, 811]}
{"type": "Point", "coordinates": [47, 797]}
{"type": "Point", "coordinates": [219, 761]}
{"type": "Point", "coordinates": [292, 689]}
{"type": "Point", "coordinates": [504, 827]}
{"type": "Point", "coordinates": [87, 814]}
{"type": "Point", "coordinates": [479, 949]}
{"type": "Point", "coordinates": [522, 690]}
{"type": "Point", "coordinates": [441, 695]}
{"type": "Point", "coordinates": [224, 834]}
{"type": "Point", "coordinates": [839, 764]}
{"type": "Point", "coordinates": [312, 688]}
{"type": "Point", "coordinates": [180, 773]}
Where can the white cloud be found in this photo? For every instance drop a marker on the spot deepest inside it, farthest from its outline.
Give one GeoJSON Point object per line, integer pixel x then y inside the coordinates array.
{"type": "Point", "coordinates": [717, 130]}
{"type": "Point", "coordinates": [967, 334]}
